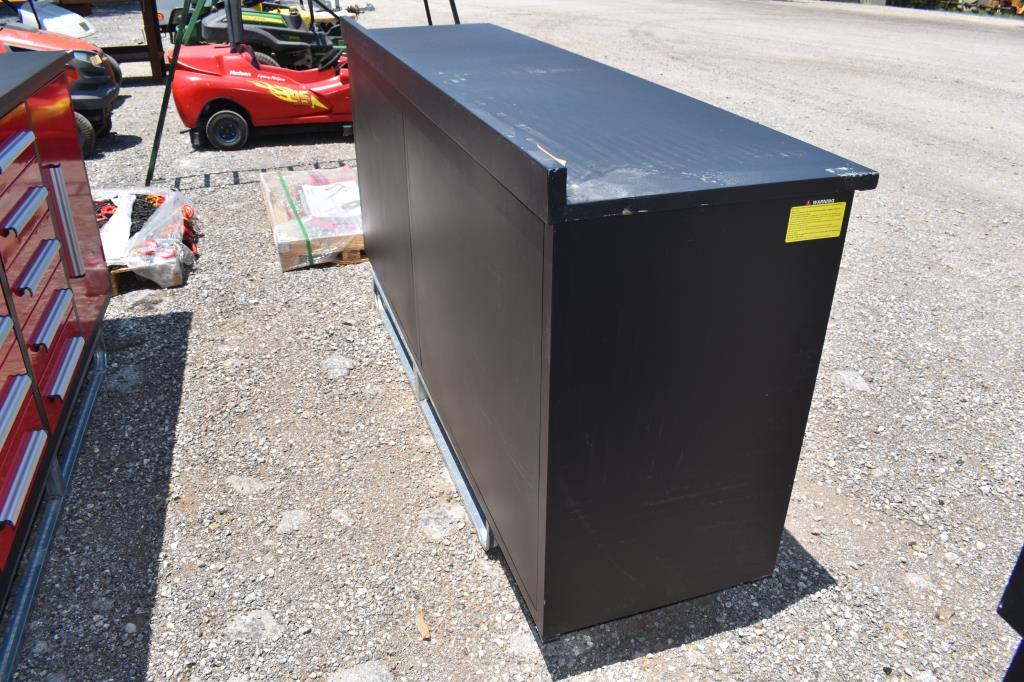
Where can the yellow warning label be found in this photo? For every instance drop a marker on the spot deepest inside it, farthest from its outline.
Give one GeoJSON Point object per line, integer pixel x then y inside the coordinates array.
{"type": "Point", "coordinates": [815, 221]}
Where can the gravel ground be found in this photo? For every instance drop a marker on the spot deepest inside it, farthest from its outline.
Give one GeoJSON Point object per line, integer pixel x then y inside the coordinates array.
{"type": "Point", "coordinates": [260, 499]}
{"type": "Point", "coordinates": [117, 23]}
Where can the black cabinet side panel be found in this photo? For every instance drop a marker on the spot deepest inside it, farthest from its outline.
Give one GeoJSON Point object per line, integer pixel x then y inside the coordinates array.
{"type": "Point", "coordinates": [380, 150]}
{"type": "Point", "coordinates": [681, 379]}
{"type": "Point", "coordinates": [478, 271]}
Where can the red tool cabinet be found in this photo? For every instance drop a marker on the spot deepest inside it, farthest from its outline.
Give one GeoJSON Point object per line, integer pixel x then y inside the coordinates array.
{"type": "Point", "coordinates": [54, 281]}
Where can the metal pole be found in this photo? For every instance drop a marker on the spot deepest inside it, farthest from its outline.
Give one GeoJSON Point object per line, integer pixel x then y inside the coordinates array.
{"type": "Point", "coordinates": [193, 20]}
{"type": "Point", "coordinates": [455, 12]}
{"type": "Point", "coordinates": [182, 21]}
{"type": "Point", "coordinates": [233, 13]}
{"type": "Point", "coordinates": [426, 6]}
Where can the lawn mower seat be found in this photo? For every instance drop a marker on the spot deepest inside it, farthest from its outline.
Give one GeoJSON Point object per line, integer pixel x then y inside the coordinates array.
{"type": "Point", "coordinates": [264, 38]}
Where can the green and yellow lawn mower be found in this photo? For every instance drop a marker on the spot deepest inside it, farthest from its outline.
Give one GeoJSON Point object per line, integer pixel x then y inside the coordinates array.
{"type": "Point", "coordinates": [279, 34]}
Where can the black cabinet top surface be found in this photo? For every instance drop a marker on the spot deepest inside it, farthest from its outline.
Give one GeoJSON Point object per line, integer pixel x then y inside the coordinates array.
{"type": "Point", "coordinates": [22, 73]}
{"type": "Point", "coordinates": [625, 143]}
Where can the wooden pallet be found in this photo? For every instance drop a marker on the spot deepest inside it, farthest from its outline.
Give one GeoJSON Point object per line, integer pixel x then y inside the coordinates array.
{"type": "Point", "coordinates": [352, 256]}
{"type": "Point", "coordinates": [123, 280]}
{"type": "Point", "coordinates": [293, 255]}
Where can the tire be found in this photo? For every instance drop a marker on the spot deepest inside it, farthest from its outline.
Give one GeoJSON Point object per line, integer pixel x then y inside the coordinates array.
{"type": "Point", "coordinates": [86, 135]}
{"type": "Point", "coordinates": [115, 67]}
{"type": "Point", "coordinates": [265, 59]}
{"type": "Point", "coordinates": [227, 130]}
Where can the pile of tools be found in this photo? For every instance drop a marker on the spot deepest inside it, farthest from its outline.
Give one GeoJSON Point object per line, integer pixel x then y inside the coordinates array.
{"type": "Point", "coordinates": [143, 208]}
{"type": "Point", "coordinates": [146, 232]}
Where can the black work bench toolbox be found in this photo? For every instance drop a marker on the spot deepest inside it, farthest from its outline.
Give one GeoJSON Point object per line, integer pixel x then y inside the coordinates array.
{"type": "Point", "coordinates": [616, 298]}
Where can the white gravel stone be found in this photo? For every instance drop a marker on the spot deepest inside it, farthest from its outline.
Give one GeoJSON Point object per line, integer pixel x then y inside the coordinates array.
{"type": "Point", "coordinates": [437, 522]}
{"type": "Point", "coordinates": [338, 366]}
{"type": "Point", "coordinates": [292, 520]}
{"type": "Point", "coordinates": [247, 485]}
{"type": "Point", "coordinates": [523, 644]}
{"type": "Point", "coordinates": [372, 671]}
{"type": "Point", "coordinates": [921, 582]}
{"type": "Point", "coordinates": [143, 299]}
{"type": "Point", "coordinates": [853, 380]}
{"type": "Point", "coordinates": [341, 517]}
{"type": "Point", "coordinates": [255, 626]}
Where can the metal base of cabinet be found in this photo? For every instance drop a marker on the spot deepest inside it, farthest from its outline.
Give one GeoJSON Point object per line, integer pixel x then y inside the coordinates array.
{"type": "Point", "coordinates": [58, 482]}
{"type": "Point", "coordinates": [476, 514]}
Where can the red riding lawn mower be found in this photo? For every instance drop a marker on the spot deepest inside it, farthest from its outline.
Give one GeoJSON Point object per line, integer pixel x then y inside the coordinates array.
{"type": "Point", "coordinates": [222, 92]}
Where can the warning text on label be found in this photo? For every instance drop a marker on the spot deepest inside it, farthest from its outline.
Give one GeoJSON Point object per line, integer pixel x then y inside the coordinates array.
{"type": "Point", "coordinates": [816, 221]}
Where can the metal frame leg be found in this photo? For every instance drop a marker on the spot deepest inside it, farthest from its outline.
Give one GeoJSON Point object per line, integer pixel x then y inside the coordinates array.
{"type": "Point", "coordinates": [58, 484]}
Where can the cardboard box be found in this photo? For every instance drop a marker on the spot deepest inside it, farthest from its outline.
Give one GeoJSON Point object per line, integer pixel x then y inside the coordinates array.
{"type": "Point", "coordinates": [315, 216]}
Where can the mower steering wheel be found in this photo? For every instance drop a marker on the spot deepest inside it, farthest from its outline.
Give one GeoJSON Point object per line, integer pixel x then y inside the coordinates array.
{"type": "Point", "coordinates": [330, 59]}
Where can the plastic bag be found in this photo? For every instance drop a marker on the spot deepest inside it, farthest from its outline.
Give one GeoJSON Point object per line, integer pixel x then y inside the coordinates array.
{"type": "Point", "coordinates": [157, 252]}
{"type": "Point", "coordinates": [115, 231]}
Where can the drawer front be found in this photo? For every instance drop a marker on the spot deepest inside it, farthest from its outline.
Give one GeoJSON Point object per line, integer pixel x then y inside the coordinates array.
{"type": "Point", "coordinates": [29, 280]}
{"type": "Point", "coordinates": [54, 309]}
{"type": "Point", "coordinates": [27, 220]}
{"type": "Point", "coordinates": [15, 393]}
{"type": "Point", "coordinates": [18, 256]}
{"type": "Point", "coordinates": [22, 206]}
{"type": "Point", "coordinates": [14, 396]}
{"type": "Point", "coordinates": [33, 293]}
{"type": "Point", "coordinates": [26, 452]}
{"type": "Point", "coordinates": [17, 146]}
{"type": "Point", "coordinates": [56, 381]}
{"type": "Point", "coordinates": [20, 180]}
{"type": "Point", "coordinates": [26, 211]}
{"type": "Point", "coordinates": [12, 363]}
{"type": "Point", "coordinates": [52, 321]}
{"type": "Point", "coordinates": [21, 428]}
{"type": "Point", "coordinates": [17, 155]}
{"type": "Point", "coordinates": [21, 471]}
{"type": "Point", "coordinates": [33, 267]}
